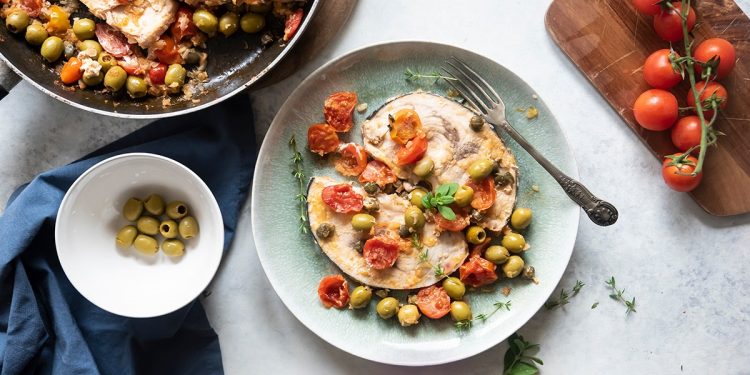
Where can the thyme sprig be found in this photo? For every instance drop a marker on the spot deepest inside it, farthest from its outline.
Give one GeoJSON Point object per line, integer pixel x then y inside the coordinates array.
{"type": "Point", "coordinates": [413, 76]}
{"type": "Point", "coordinates": [517, 360]}
{"type": "Point", "coordinates": [464, 325]}
{"type": "Point", "coordinates": [299, 173]}
{"type": "Point", "coordinates": [619, 295]}
{"type": "Point", "coordinates": [564, 298]}
{"type": "Point", "coordinates": [424, 256]}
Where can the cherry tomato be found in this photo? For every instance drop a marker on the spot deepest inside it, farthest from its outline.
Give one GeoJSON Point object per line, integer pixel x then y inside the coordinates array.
{"type": "Point", "coordinates": [719, 48]}
{"type": "Point", "coordinates": [706, 92]}
{"type": "Point", "coordinates": [377, 172]}
{"type": "Point", "coordinates": [32, 7]}
{"type": "Point", "coordinates": [647, 7]}
{"type": "Point", "coordinates": [677, 176]}
{"type": "Point", "coordinates": [433, 302]}
{"type": "Point", "coordinates": [333, 291]}
{"type": "Point", "coordinates": [157, 73]}
{"type": "Point", "coordinates": [461, 222]}
{"type": "Point", "coordinates": [412, 151]}
{"type": "Point", "coordinates": [338, 109]}
{"type": "Point", "coordinates": [167, 51]}
{"type": "Point", "coordinates": [406, 125]}
{"type": "Point", "coordinates": [352, 160]}
{"type": "Point", "coordinates": [71, 71]}
{"type": "Point", "coordinates": [668, 23]}
{"type": "Point", "coordinates": [291, 25]}
{"type": "Point", "coordinates": [484, 193]}
{"type": "Point", "coordinates": [477, 271]}
{"type": "Point", "coordinates": [322, 139]}
{"type": "Point", "coordinates": [656, 109]}
{"type": "Point", "coordinates": [183, 25]}
{"type": "Point", "coordinates": [59, 20]}
{"type": "Point", "coordinates": [342, 198]}
{"type": "Point", "coordinates": [112, 40]}
{"type": "Point", "coordinates": [131, 65]}
{"type": "Point", "coordinates": [658, 72]}
{"type": "Point", "coordinates": [380, 252]}
{"type": "Point", "coordinates": [686, 133]}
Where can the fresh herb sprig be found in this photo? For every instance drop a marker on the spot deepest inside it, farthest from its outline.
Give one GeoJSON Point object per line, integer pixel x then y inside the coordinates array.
{"type": "Point", "coordinates": [564, 298]}
{"type": "Point", "coordinates": [619, 295]}
{"type": "Point", "coordinates": [464, 325]}
{"type": "Point", "coordinates": [517, 360]}
{"type": "Point", "coordinates": [424, 256]}
{"type": "Point", "coordinates": [299, 173]}
{"type": "Point", "coordinates": [413, 76]}
{"type": "Point", "coordinates": [440, 200]}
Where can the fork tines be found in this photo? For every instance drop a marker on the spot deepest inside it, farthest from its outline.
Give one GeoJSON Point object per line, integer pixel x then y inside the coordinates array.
{"type": "Point", "coordinates": [475, 89]}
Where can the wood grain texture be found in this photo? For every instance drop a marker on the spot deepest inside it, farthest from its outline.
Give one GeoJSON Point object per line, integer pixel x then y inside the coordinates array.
{"type": "Point", "coordinates": [608, 41]}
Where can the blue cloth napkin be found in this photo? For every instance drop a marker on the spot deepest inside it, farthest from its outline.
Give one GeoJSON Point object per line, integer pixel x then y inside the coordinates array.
{"type": "Point", "coordinates": [47, 327]}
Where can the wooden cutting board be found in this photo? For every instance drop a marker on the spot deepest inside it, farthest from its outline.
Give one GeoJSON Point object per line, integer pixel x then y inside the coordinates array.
{"type": "Point", "coordinates": [609, 41]}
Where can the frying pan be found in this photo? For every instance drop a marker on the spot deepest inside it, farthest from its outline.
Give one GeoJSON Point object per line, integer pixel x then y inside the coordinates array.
{"type": "Point", "coordinates": [234, 63]}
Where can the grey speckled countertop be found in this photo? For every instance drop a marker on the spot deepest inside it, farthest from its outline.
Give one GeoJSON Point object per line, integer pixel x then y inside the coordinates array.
{"type": "Point", "coordinates": [689, 271]}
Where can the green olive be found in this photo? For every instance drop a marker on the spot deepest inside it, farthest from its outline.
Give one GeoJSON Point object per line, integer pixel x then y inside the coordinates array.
{"type": "Point", "coordinates": [416, 197]}
{"type": "Point", "coordinates": [521, 218]}
{"type": "Point", "coordinates": [325, 230]}
{"type": "Point", "coordinates": [136, 87]}
{"type": "Point", "coordinates": [371, 188]}
{"type": "Point", "coordinates": [464, 195]}
{"type": "Point", "coordinates": [88, 46]}
{"type": "Point", "coordinates": [84, 28]}
{"type": "Point", "coordinates": [154, 204]}
{"type": "Point", "coordinates": [371, 204]}
{"type": "Point", "coordinates": [148, 225]}
{"type": "Point", "coordinates": [476, 235]}
{"type": "Point", "coordinates": [176, 210]}
{"type": "Point", "coordinates": [496, 254]}
{"type": "Point", "coordinates": [480, 169]}
{"type": "Point", "coordinates": [514, 242]}
{"type": "Point", "coordinates": [146, 244]}
{"type": "Point", "coordinates": [132, 209]}
{"type": "Point", "coordinates": [228, 23]}
{"type": "Point", "coordinates": [106, 60]}
{"type": "Point", "coordinates": [188, 227]}
{"type": "Point", "coordinates": [476, 123]}
{"type": "Point", "coordinates": [173, 248]}
{"type": "Point", "coordinates": [252, 23]}
{"type": "Point", "coordinates": [92, 80]}
{"type": "Point", "coordinates": [454, 287]}
{"type": "Point", "coordinates": [360, 297]}
{"type": "Point", "coordinates": [205, 21]}
{"type": "Point", "coordinates": [513, 266]}
{"type": "Point", "coordinates": [363, 222]}
{"type": "Point", "coordinates": [36, 33]}
{"type": "Point", "coordinates": [17, 21]}
{"type": "Point", "coordinates": [168, 229]}
{"type": "Point", "coordinates": [125, 236]}
{"type": "Point", "coordinates": [424, 166]}
{"type": "Point", "coordinates": [460, 311]}
{"type": "Point", "coordinates": [408, 315]}
{"type": "Point", "coordinates": [52, 48]}
{"type": "Point", "coordinates": [414, 218]}
{"type": "Point", "coordinates": [175, 77]}
{"type": "Point", "coordinates": [261, 8]}
{"type": "Point", "coordinates": [387, 307]}
{"type": "Point", "coordinates": [115, 78]}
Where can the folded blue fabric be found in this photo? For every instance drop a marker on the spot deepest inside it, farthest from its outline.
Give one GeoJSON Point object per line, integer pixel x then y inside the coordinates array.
{"type": "Point", "coordinates": [47, 327]}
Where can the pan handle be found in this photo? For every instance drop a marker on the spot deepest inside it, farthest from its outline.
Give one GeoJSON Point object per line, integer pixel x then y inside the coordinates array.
{"type": "Point", "coordinates": [8, 79]}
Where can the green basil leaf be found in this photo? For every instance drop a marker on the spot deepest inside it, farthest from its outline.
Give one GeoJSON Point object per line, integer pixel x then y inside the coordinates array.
{"type": "Point", "coordinates": [443, 189]}
{"type": "Point", "coordinates": [426, 201]}
{"type": "Point", "coordinates": [452, 188]}
{"type": "Point", "coordinates": [508, 359]}
{"type": "Point", "coordinates": [447, 213]}
{"type": "Point", "coordinates": [523, 368]}
{"type": "Point", "coordinates": [448, 200]}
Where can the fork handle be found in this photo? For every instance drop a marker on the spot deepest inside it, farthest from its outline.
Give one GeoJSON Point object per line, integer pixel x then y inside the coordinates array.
{"type": "Point", "coordinates": [600, 212]}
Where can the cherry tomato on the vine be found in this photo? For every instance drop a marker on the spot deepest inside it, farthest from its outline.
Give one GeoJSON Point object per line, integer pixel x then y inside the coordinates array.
{"type": "Point", "coordinates": [678, 174]}
{"type": "Point", "coordinates": [668, 23]}
{"type": "Point", "coordinates": [647, 7]}
{"type": "Point", "coordinates": [658, 71]}
{"type": "Point", "coordinates": [686, 133]}
{"type": "Point", "coordinates": [656, 109]}
{"type": "Point", "coordinates": [707, 91]}
{"type": "Point", "coordinates": [719, 48]}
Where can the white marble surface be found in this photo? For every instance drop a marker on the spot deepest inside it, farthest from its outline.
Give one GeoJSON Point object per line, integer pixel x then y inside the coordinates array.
{"type": "Point", "coordinates": [688, 270]}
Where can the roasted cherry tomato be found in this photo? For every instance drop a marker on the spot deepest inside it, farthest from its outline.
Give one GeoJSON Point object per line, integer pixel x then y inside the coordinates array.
{"type": "Point", "coordinates": [112, 40]}
{"type": "Point", "coordinates": [131, 65]}
{"type": "Point", "coordinates": [291, 25]}
{"type": "Point", "coordinates": [342, 198]}
{"type": "Point", "coordinates": [477, 271]}
{"type": "Point", "coordinates": [656, 109]}
{"type": "Point", "coordinates": [32, 7]}
{"type": "Point", "coordinates": [71, 71]}
{"type": "Point", "coordinates": [333, 291]}
{"type": "Point", "coordinates": [686, 133]}
{"type": "Point", "coordinates": [352, 160]}
{"type": "Point", "coordinates": [183, 25]}
{"type": "Point", "coordinates": [59, 21]}
{"type": "Point", "coordinates": [322, 139]}
{"type": "Point", "coordinates": [484, 193]}
{"type": "Point", "coordinates": [338, 109]}
{"type": "Point", "coordinates": [668, 23]}
{"type": "Point", "coordinates": [167, 51]}
{"type": "Point", "coordinates": [658, 71]}
{"type": "Point", "coordinates": [412, 151]}
{"type": "Point", "coordinates": [677, 175]}
{"type": "Point", "coordinates": [457, 225]}
{"type": "Point", "coordinates": [157, 73]}
{"type": "Point", "coordinates": [706, 92]}
{"type": "Point", "coordinates": [377, 172]}
{"type": "Point", "coordinates": [380, 252]}
{"type": "Point", "coordinates": [405, 126]}
{"type": "Point", "coordinates": [716, 48]}
{"type": "Point", "coordinates": [647, 7]}
{"type": "Point", "coordinates": [433, 302]}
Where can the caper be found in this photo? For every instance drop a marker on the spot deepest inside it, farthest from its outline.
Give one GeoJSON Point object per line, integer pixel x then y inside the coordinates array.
{"type": "Point", "coordinates": [92, 80]}
{"type": "Point", "coordinates": [476, 235]}
{"type": "Point", "coordinates": [132, 209]}
{"type": "Point", "coordinates": [514, 242]}
{"type": "Point", "coordinates": [404, 231]}
{"type": "Point", "coordinates": [504, 179]}
{"type": "Point", "coordinates": [252, 23]}
{"type": "Point", "coordinates": [521, 218]}
{"type": "Point", "coordinates": [416, 195]}
{"type": "Point", "coordinates": [69, 50]}
{"type": "Point", "coordinates": [371, 188]}
{"type": "Point", "coordinates": [528, 272]}
{"type": "Point", "coordinates": [188, 227]}
{"type": "Point", "coordinates": [480, 169]}
{"type": "Point", "coordinates": [496, 254]}
{"type": "Point", "coordinates": [173, 248]}
{"type": "Point", "coordinates": [513, 266]}
{"type": "Point", "coordinates": [90, 47]}
{"type": "Point", "coordinates": [192, 57]}
{"type": "Point", "coordinates": [464, 195]}
{"type": "Point", "coordinates": [84, 28]}
{"type": "Point", "coordinates": [359, 245]}
{"type": "Point", "coordinates": [146, 244]}
{"type": "Point", "coordinates": [414, 218]}
{"type": "Point", "coordinates": [460, 311]}
{"type": "Point", "coordinates": [136, 87]}
{"type": "Point", "coordinates": [115, 78]}
{"type": "Point", "coordinates": [154, 204]}
{"type": "Point", "coordinates": [106, 60]}
{"type": "Point", "coordinates": [360, 297]}
{"type": "Point", "coordinates": [476, 216]}
{"type": "Point", "coordinates": [424, 167]}
{"type": "Point", "coordinates": [52, 48]}
{"type": "Point", "coordinates": [325, 230]}
{"type": "Point", "coordinates": [175, 77]}
{"type": "Point", "coordinates": [125, 236]}
{"type": "Point", "coordinates": [476, 123]}
{"type": "Point", "coordinates": [363, 222]}
{"type": "Point", "coordinates": [387, 307]}
{"type": "Point", "coordinates": [408, 315]}
{"type": "Point", "coordinates": [148, 225]}
{"type": "Point", "coordinates": [371, 204]}
{"type": "Point", "coordinates": [17, 21]}
{"type": "Point", "coordinates": [36, 33]}
{"type": "Point", "coordinates": [168, 229]}
{"type": "Point", "coordinates": [205, 21]}
{"type": "Point", "coordinates": [454, 287]}
{"type": "Point", "coordinates": [228, 23]}
{"type": "Point", "coordinates": [176, 210]}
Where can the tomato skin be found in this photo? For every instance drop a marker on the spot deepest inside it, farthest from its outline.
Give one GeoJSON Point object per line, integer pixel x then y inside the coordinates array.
{"type": "Point", "coordinates": [681, 182]}
{"type": "Point", "coordinates": [477, 272]}
{"type": "Point", "coordinates": [352, 160]}
{"type": "Point", "coordinates": [433, 302]}
{"type": "Point", "coordinates": [656, 109]}
{"type": "Point", "coordinates": [461, 222]}
{"type": "Point", "coordinates": [380, 252]}
{"type": "Point", "coordinates": [333, 291]}
{"type": "Point", "coordinates": [377, 172]}
{"type": "Point", "coordinates": [706, 91]}
{"type": "Point", "coordinates": [720, 48]}
{"type": "Point", "coordinates": [71, 71]}
{"type": "Point", "coordinates": [668, 23]}
{"type": "Point", "coordinates": [686, 133]}
{"type": "Point", "coordinates": [412, 151]}
{"type": "Point", "coordinates": [647, 7]}
{"type": "Point", "coordinates": [338, 110]}
{"type": "Point", "coordinates": [168, 52]}
{"type": "Point", "coordinates": [183, 25]}
{"type": "Point", "coordinates": [156, 74]}
{"type": "Point", "coordinates": [484, 193]}
{"type": "Point", "coordinates": [406, 125]}
{"type": "Point", "coordinates": [658, 72]}
{"type": "Point", "coordinates": [291, 24]}
{"type": "Point", "coordinates": [342, 198]}
{"type": "Point", "coordinates": [322, 139]}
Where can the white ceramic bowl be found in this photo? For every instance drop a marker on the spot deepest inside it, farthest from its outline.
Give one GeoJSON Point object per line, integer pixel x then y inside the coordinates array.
{"type": "Point", "coordinates": [125, 282]}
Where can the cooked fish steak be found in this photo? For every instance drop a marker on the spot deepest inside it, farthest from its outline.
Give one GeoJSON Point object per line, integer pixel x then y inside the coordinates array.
{"type": "Point", "coordinates": [141, 21]}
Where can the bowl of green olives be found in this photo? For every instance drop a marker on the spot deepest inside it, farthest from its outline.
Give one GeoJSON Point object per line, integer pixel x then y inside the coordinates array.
{"type": "Point", "coordinates": [139, 235]}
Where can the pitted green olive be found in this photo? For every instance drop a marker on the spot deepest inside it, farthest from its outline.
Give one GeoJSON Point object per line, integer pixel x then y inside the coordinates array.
{"type": "Point", "coordinates": [176, 210]}
{"type": "Point", "coordinates": [173, 247]}
{"type": "Point", "coordinates": [424, 166]}
{"type": "Point", "coordinates": [480, 169]}
{"type": "Point", "coordinates": [146, 244]}
{"type": "Point", "coordinates": [460, 311]}
{"type": "Point", "coordinates": [125, 236]}
{"type": "Point", "coordinates": [414, 218]}
{"type": "Point", "coordinates": [84, 28]}
{"type": "Point", "coordinates": [454, 287]}
{"type": "Point", "coordinates": [148, 225]}
{"type": "Point", "coordinates": [416, 195]}
{"type": "Point", "coordinates": [387, 307]}
{"type": "Point", "coordinates": [188, 227]}
{"type": "Point", "coordinates": [363, 222]}
{"type": "Point", "coordinates": [408, 315]}
{"type": "Point", "coordinates": [514, 242]}
{"type": "Point", "coordinates": [132, 209]}
{"type": "Point", "coordinates": [464, 195]}
{"type": "Point", "coordinates": [17, 21]}
{"type": "Point", "coordinates": [521, 218]}
{"type": "Point", "coordinates": [154, 204]}
{"type": "Point", "coordinates": [476, 235]}
{"type": "Point", "coordinates": [168, 229]}
{"type": "Point", "coordinates": [360, 297]}
{"type": "Point", "coordinates": [496, 254]}
{"type": "Point", "coordinates": [513, 266]}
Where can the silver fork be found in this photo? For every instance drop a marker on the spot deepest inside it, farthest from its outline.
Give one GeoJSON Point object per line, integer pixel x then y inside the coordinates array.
{"type": "Point", "coordinates": [485, 99]}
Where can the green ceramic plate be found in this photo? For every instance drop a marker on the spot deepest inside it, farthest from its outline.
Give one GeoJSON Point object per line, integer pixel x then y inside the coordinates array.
{"type": "Point", "coordinates": [295, 265]}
